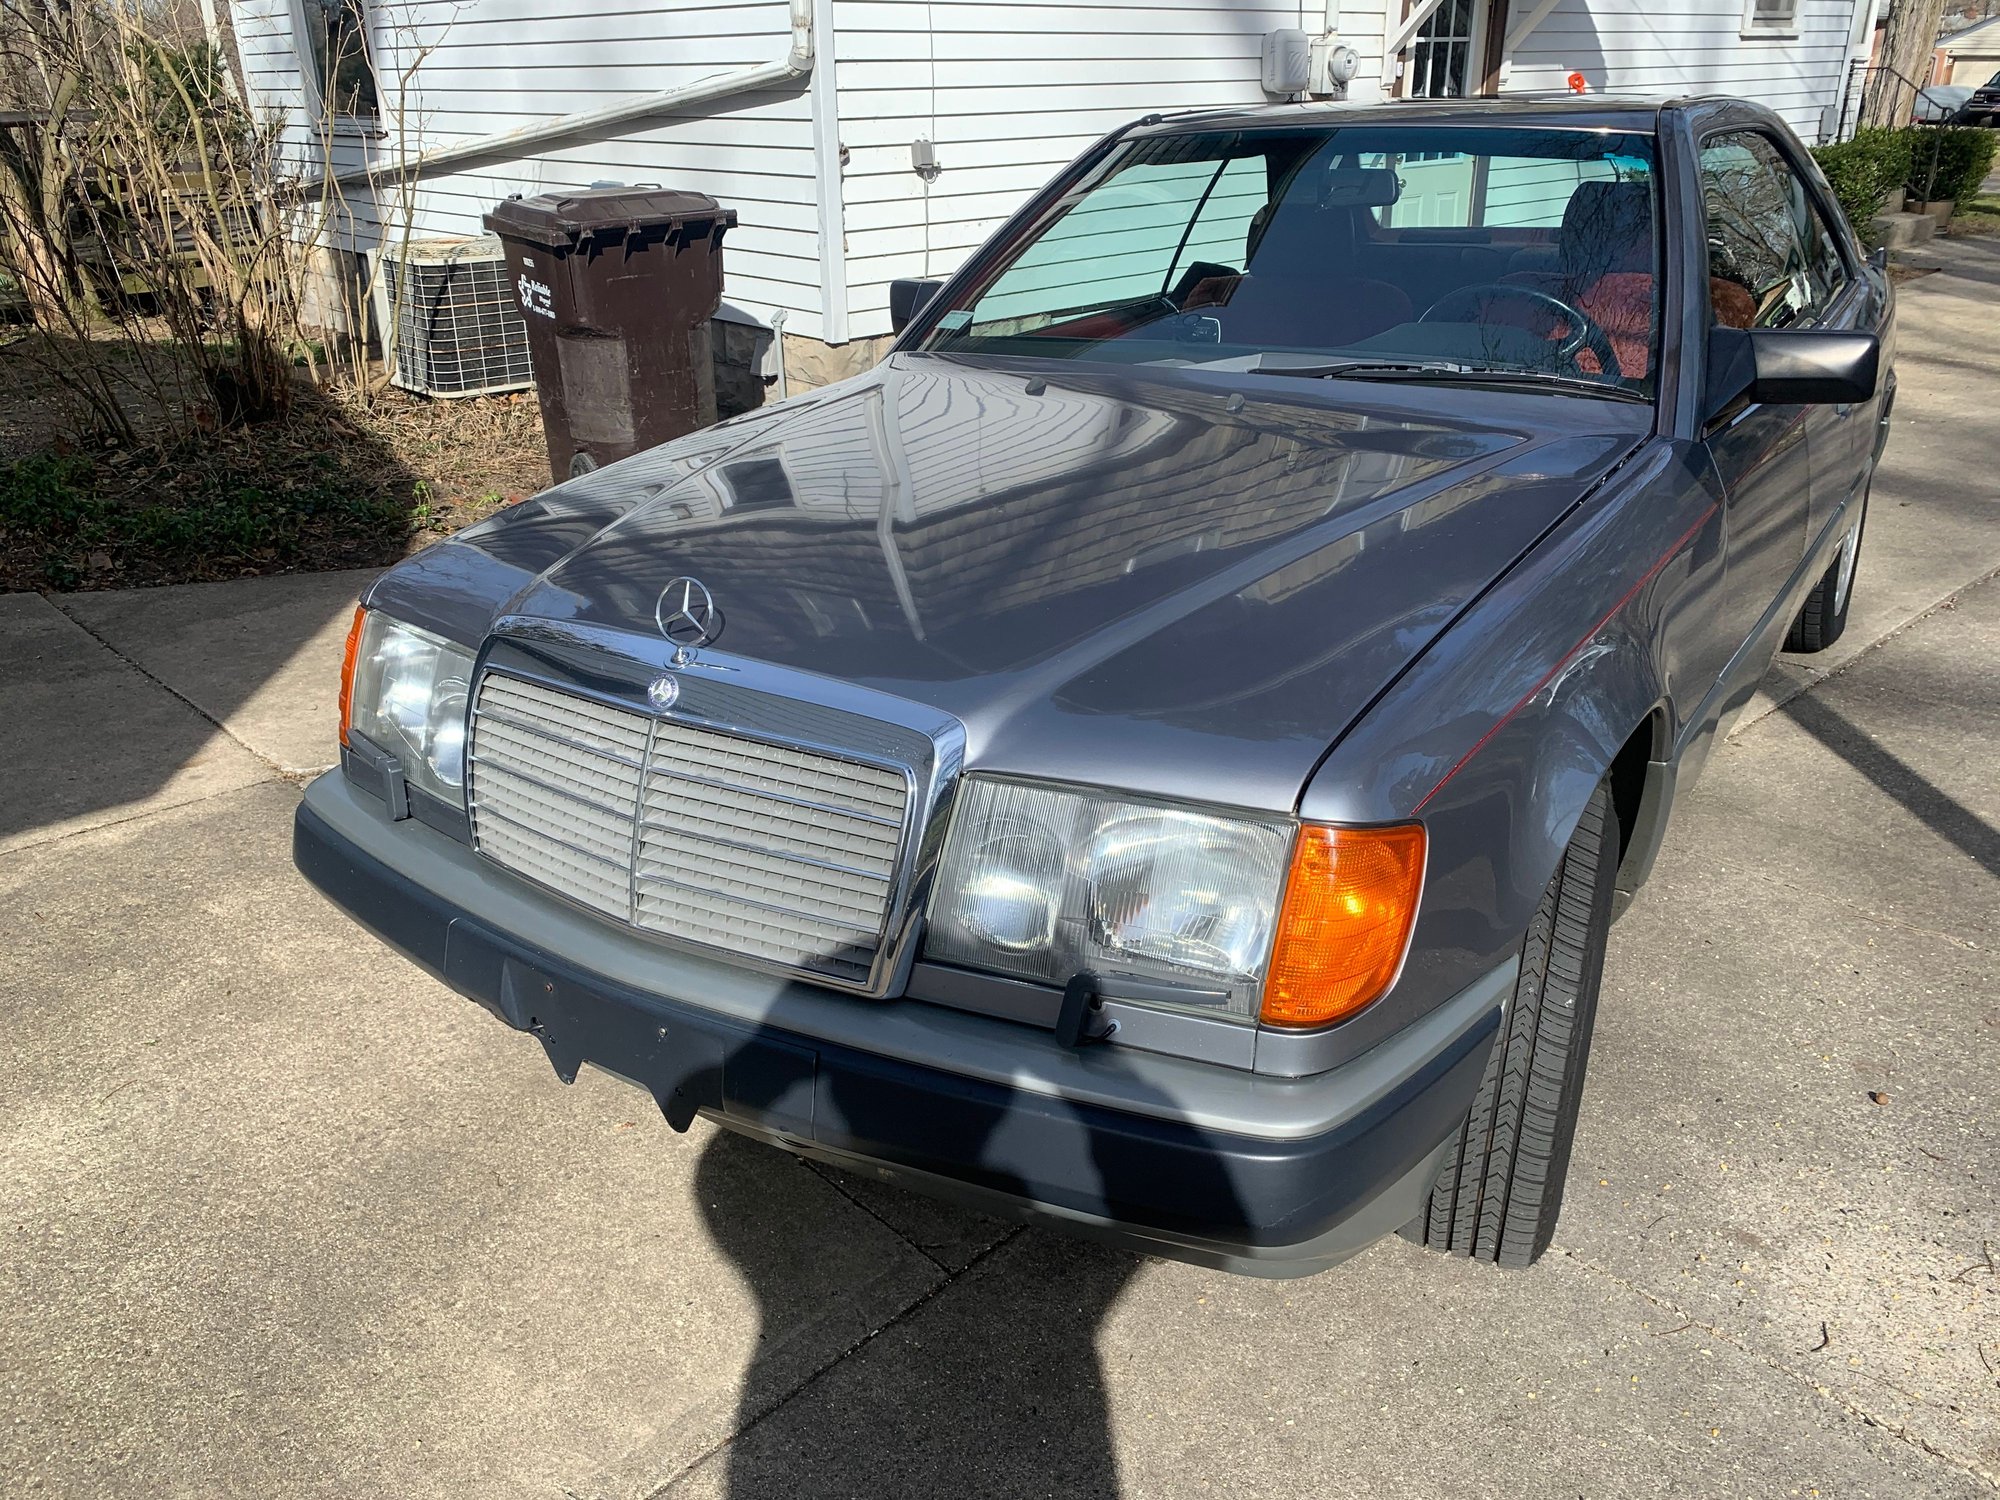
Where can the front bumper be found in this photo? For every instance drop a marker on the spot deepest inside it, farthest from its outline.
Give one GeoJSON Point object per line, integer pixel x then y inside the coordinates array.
{"type": "Point", "coordinates": [1201, 1163]}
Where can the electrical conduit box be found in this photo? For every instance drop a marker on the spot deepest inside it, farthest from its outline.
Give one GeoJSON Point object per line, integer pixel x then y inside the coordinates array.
{"type": "Point", "coordinates": [1287, 61]}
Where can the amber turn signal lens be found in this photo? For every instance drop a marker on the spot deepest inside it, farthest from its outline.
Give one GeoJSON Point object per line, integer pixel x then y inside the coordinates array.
{"type": "Point", "coordinates": [1350, 901]}
{"type": "Point", "coordinates": [347, 670]}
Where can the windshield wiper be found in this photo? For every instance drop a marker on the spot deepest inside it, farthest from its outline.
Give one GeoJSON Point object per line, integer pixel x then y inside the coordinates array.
{"type": "Point", "coordinates": [1581, 384]}
{"type": "Point", "coordinates": [1445, 369]}
{"type": "Point", "coordinates": [1372, 369]}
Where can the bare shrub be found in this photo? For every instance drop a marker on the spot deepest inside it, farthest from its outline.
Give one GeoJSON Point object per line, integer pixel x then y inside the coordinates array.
{"type": "Point", "coordinates": [164, 238]}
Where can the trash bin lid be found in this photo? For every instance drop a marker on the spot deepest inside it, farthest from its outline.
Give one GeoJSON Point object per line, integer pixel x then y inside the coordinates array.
{"type": "Point", "coordinates": [562, 219]}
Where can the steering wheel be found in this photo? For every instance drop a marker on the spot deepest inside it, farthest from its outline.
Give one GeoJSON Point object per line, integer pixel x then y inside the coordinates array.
{"type": "Point", "coordinates": [1585, 331]}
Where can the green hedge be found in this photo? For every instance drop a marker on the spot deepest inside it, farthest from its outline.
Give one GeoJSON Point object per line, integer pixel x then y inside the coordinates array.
{"type": "Point", "coordinates": [1930, 162]}
{"type": "Point", "coordinates": [1863, 172]}
{"type": "Point", "coordinates": [1949, 161]}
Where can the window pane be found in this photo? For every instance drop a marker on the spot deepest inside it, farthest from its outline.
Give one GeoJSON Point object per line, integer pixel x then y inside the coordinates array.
{"type": "Point", "coordinates": [1507, 248]}
{"type": "Point", "coordinates": [1771, 263]}
{"type": "Point", "coordinates": [338, 33]}
{"type": "Point", "coordinates": [1118, 244]}
{"type": "Point", "coordinates": [1222, 228]}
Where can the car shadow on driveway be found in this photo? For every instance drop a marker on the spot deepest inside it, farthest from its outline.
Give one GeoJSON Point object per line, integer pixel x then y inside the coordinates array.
{"type": "Point", "coordinates": [918, 1408]}
{"type": "Point", "coordinates": [1936, 809]}
{"type": "Point", "coordinates": [903, 1414]}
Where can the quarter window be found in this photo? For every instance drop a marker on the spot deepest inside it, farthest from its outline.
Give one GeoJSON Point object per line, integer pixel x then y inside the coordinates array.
{"type": "Point", "coordinates": [1772, 261]}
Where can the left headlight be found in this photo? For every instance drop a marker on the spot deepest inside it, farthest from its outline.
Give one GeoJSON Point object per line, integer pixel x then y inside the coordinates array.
{"type": "Point", "coordinates": [1039, 882]}
{"type": "Point", "coordinates": [405, 690]}
{"type": "Point", "coordinates": [1240, 916]}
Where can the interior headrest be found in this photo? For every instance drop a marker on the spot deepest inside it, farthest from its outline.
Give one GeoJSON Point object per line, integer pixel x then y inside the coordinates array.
{"type": "Point", "coordinates": [1607, 227]}
{"type": "Point", "coordinates": [1293, 238]}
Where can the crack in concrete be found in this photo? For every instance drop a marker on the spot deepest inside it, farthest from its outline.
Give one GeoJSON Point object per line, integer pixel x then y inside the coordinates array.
{"type": "Point", "coordinates": [1839, 1399]}
{"type": "Point", "coordinates": [1775, 882]}
{"type": "Point", "coordinates": [26, 842]}
{"type": "Point", "coordinates": [281, 772]}
{"type": "Point", "coordinates": [821, 1173]}
{"type": "Point", "coordinates": [1800, 690]}
{"type": "Point", "coordinates": [947, 1280]}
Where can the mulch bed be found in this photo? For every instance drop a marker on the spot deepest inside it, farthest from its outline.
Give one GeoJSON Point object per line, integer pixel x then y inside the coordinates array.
{"type": "Point", "coordinates": [340, 482]}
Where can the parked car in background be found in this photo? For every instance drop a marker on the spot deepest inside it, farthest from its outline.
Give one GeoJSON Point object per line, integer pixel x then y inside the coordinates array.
{"type": "Point", "coordinates": [1160, 755]}
{"type": "Point", "coordinates": [1941, 104]}
{"type": "Point", "coordinates": [1982, 104]}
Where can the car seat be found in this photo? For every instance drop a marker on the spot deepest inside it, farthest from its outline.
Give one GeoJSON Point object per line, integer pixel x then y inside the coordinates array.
{"type": "Point", "coordinates": [1302, 286]}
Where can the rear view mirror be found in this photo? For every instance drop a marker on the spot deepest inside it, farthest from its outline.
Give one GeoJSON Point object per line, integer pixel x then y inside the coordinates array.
{"type": "Point", "coordinates": [1360, 187]}
{"type": "Point", "coordinates": [907, 299]}
{"type": "Point", "coordinates": [1789, 367]}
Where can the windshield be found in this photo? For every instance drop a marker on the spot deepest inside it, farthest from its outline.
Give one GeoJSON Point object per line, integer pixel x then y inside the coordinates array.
{"type": "Point", "coordinates": [1392, 251]}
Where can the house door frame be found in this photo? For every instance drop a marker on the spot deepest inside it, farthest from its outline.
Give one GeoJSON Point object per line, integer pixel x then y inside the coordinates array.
{"type": "Point", "coordinates": [1485, 47]}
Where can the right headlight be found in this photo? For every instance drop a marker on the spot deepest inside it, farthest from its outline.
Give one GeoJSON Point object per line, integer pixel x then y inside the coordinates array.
{"type": "Point", "coordinates": [1249, 917]}
{"type": "Point", "coordinates": [405, 689]}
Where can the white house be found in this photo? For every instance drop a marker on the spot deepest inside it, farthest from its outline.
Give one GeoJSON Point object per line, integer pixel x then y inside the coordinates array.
{"type": "Point", "coordinates": [1969, 55]}
{"type": "Point", "coordinates": [864, 140]}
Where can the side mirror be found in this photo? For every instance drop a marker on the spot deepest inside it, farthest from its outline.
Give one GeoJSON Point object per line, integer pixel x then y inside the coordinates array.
{"type": "Point", "coordinates": [907, 299]}
{"type": "Point", "coordinates": [1789, 367]}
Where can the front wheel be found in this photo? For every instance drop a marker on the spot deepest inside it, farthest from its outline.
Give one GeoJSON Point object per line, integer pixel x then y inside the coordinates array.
{"type": "Point", "coordinates": [1502, 1184]}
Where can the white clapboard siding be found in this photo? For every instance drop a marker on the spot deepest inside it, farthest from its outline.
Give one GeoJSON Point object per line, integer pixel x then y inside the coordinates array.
{"type": "Point", "coordinates": [1010, 91]}
{"type": "Point", "coordinates": [1526, 194]}
{"type": "Point", "coordinates": [480, 67]}
{"type": "Point", "coordinates": [1694, 47]}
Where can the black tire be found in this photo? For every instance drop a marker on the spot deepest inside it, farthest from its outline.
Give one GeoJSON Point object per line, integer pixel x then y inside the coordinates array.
{"type": "Point", "coordinates": [1824, 615]}
{"type": "Point", "coordinates": [1502, 1186]}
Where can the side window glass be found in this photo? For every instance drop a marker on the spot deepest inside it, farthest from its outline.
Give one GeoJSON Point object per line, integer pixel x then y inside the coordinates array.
{"type": "Point", "coordinates": [1117, 246]}
{"type": "Point", "coordinates": [1220, 233]}
{"type": "Point", "coordinates": [1771, 262]}
{"type": "Point", "coordinates": [1822, 248]}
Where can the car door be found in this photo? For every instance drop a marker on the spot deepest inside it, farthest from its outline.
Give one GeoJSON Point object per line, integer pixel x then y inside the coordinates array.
{"type": "Point", "coordinates": [1761, 275]}
{"type": "Point", "coordinates": [1842, 438]}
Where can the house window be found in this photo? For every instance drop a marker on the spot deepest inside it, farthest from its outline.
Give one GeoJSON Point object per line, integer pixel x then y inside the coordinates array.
{"type": "Point", "coordinates": [343, 71]}
{"type": "Point", "coordinates": [1441, 65]}
{"type": "Point", "coordinates": [1771, 18]}
{"type": "Point", "coordinates": [757, 484]}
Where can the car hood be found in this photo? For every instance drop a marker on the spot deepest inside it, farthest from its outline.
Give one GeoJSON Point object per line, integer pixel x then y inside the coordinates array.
{"type": "Point", "coordinates": [1169, 581]}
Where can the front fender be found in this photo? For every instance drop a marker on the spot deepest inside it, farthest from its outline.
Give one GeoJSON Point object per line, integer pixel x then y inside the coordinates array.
{"type": "Point", "coordinates": [1499, 734]}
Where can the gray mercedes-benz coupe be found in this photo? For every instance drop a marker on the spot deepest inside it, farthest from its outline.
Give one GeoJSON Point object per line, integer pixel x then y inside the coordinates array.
{"type": "Point", "coordinates": [1161, 753]}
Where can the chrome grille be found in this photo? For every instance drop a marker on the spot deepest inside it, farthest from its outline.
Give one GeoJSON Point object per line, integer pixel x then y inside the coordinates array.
{"type": "Point", "coordinates": [774, 852]}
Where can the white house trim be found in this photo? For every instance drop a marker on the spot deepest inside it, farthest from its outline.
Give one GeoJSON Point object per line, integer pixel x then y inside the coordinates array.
{"type": "Point", "coordinates": [797, 63]}
{"type": "Point", "coordinates": [828, 187]}
{"type": "Point", "coordinates": [1520, 30]}
{"type": "Point", "coordinates": [1392, 54]}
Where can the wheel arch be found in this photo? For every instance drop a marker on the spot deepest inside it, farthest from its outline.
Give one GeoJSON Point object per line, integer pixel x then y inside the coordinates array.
{"type": "Point", "coordinates": [1642, 791]}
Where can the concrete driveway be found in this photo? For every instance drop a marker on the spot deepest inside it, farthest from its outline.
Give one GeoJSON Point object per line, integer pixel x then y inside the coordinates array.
{"type": "Point", "coordinates": [285, 1218]}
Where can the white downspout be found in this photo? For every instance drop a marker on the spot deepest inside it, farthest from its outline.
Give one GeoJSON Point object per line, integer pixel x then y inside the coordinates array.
{"type": "Point", "coordinates": [797, 63]}
{"type": "Point", "coordinates": [830, 190]}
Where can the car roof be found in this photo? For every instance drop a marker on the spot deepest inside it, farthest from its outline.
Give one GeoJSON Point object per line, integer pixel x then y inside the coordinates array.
{"type": "Point", "coordinates": [1549, 111]}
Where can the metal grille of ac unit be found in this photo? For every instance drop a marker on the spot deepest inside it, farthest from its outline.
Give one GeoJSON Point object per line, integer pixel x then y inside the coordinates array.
{"type": "Point", "coordinates": [448, 317]}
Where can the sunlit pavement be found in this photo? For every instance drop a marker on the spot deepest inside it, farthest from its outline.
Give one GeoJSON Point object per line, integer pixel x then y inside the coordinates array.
{"type": "Point", "coordinates": [286, 1218]}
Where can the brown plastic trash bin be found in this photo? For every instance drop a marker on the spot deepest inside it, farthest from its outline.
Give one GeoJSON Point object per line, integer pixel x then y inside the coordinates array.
{"type": "Point", "coordinates": [617, 286]}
